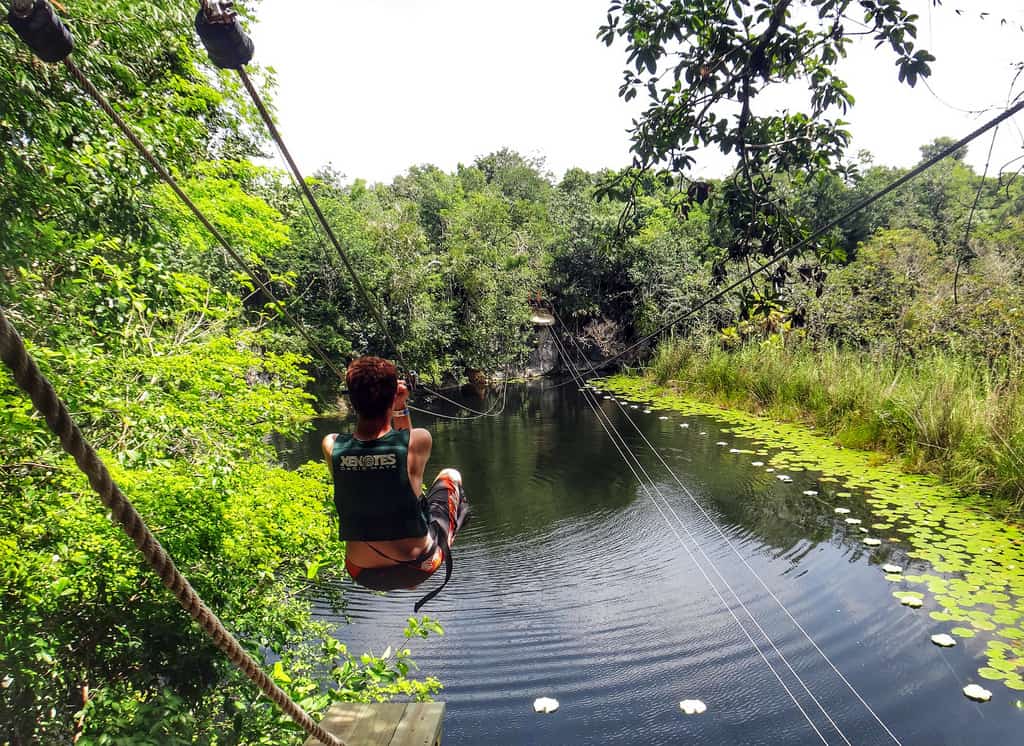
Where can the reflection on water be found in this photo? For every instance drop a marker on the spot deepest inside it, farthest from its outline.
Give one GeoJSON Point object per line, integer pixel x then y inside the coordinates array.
{"type": "Point", "coordinates": [571, 583]}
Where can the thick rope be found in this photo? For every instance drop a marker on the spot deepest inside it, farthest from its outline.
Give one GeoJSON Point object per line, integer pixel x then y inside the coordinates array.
{"type": "Point", "coordinates": [31, 380]}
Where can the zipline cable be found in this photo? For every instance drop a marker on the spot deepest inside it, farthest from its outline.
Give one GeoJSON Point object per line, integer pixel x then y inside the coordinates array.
{"type": "Point", "coordinates": [743, 560]}
{"type": "Point", "coordinates": [45, 399]}
{"type": "Point", "coordinates": [318, 230]}
{"type": "Point", "coordinates": [325, 226]}
{"type": "Point", "coordinates": [819, 232]}
{"type": "Point", "coordinates": [623, 449]}
{"type": "Point", "coordinates": [315, 204]}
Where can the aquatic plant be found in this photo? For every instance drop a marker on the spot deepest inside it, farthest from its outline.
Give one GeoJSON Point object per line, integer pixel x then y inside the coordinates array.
{"type": "Point", "coordinates": [968, 563]}
{"type": "Point", "coordinates": [938, 413]}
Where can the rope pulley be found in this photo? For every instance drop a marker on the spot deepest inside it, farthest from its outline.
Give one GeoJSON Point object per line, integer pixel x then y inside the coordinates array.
{"type": "Point", "coordinates": [39, 26]}
{"type": "Point", "coordinates": [221, 32]}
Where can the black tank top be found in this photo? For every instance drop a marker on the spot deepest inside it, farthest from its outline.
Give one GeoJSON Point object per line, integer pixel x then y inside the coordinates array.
{"type": "Point", "coordinates": [372, 494]}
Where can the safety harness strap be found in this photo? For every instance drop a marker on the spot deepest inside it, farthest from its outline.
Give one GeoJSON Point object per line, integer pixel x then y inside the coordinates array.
{"type": "Point", "coordinates": [442, 540]}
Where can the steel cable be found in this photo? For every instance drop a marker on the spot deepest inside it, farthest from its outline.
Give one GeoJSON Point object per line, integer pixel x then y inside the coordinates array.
{"type": "Point", "coordinates": [821, 231]}
{"type": "Point", "coordinates": [778, 601]}
{"type": "Point", "coordinates": [623, 449]}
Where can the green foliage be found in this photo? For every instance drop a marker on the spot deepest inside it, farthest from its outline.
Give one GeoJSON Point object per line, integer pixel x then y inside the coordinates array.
{"type": "Point", "coordinates": [703, 67]}
{"type": "Point", "coordinates": [938, 412]}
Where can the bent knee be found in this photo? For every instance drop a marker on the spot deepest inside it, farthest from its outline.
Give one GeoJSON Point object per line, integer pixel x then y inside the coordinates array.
{"type": "Point", "coordinates": [452, 474]}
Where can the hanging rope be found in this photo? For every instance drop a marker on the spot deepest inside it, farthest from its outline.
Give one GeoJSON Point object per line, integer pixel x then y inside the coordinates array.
{"type": "Point", "coordinates": [300, 181]}
{"type": "Point", "coordinates": [637, 468]}
{"type": "Point", "coordinates": [30, 380]}
{"type": "Point", "coordinates": [743, 560]}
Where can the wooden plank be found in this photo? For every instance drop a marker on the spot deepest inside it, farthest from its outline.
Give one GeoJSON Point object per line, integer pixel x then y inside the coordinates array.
{"type": "Point", "coordinates": [340, 720]}
{"type": "Point", "coordinates": [421, 725]}
{"type": "Point", "coordinates": [378, 726]}
{"type": "Point", "coordinates": [416, 724]}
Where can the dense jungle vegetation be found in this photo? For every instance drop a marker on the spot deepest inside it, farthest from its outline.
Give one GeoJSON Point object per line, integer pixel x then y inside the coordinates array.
{"type": "Point", "coordinates": [180, 370]}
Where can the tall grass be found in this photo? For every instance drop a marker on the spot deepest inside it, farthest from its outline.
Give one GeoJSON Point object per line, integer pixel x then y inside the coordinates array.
{"type": "Point", "coordinates": [940, 413]}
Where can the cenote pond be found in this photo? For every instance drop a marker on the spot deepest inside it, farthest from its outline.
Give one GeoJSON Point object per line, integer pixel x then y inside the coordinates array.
{"type": "Point", "coordinates": [575, 581]}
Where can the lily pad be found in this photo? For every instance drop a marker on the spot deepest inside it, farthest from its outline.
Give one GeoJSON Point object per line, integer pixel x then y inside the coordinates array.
{"type": "Point", "coordinates": [545, 705]}
{"type": "Point", "coordinates": [991, 674]}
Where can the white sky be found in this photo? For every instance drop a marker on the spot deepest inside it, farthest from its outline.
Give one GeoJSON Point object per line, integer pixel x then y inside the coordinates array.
{"type": "Point", "coordinates": [375, 86]}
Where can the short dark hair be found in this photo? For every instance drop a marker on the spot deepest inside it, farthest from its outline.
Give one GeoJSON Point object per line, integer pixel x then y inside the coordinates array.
{"type": "Point", "coordinates": [372, 385]}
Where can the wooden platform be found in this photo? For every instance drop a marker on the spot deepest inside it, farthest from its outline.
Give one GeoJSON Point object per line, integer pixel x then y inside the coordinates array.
{"type": "Point", "coordinates": [414, 724]}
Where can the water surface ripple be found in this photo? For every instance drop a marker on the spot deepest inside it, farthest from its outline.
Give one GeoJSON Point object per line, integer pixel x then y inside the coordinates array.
{"type": "Point", "coordinates": [570, 583]}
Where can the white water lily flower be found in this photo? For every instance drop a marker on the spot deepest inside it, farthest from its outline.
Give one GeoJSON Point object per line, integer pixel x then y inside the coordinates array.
{"type": "Point", "coordinates": [977, 693]}
{"type": "Point", "coordinates": [862, 529]}
{"type": "Point", "coordinates": [734, 450]}
{"type": "Point", "coordinates": [784, 478]}
{"type": "Point", "coordinates": [769, 470]}
{"type": "Point", "coordinates": [684, 424]}
{"type": "Point", "coordinates": [842, 511]}
{"type": "Point", "coordinates": [721, 443]}
{"type": "Point", "coordinates": [757, 463]}
{"type": "Point", "coordinates": [647, 411]}
{"type": "Point", "coordinates": [633, 406]}
{"type": "Point", "coordinates": [810, 493]}
{"type": "Point", "coordinates": [545, 705]}
{"type": "Point", "coordinates": [854, 521]}
{"type": "Point", "coordinates": [703, 433]}
{"type": "Point", "coordinates": [944, 641]}
{"type": "Point", "coordinates": [6, 683]}
{"type": "Point", "coordinates": [663, 417]}
{"type": "Point", "coordinates": [873, 542]}
{"type": "Point", "coordinates": [606, 396]}
{"type": "Point", "coordinates": [912, 601]}
{"type": "Point", "coordinates": [693, 707]}
{"type": "Point", "coordinates": [892, 569]}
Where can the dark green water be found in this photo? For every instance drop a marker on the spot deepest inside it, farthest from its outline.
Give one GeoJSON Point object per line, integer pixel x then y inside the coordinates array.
{"type": "Point", "coordinates": [575, 581]}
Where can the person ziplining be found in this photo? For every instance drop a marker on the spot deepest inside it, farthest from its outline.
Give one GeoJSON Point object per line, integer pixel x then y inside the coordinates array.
{"type": "Point", "coordinates": [396, 535]}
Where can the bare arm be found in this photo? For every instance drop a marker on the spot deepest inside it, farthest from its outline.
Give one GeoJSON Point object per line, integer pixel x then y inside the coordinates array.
{"type": "Point", "coordinates": [327, 445]}
{"type": "Point", "coordinates": [420, 442]}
